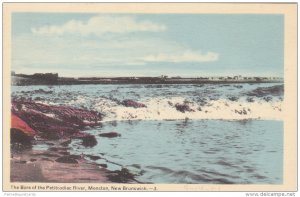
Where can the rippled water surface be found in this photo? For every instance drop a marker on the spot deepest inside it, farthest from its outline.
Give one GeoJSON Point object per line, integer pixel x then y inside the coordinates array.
{"type": "Point", "coordinates": [178, 151]}
{"type": "Point", "coordinates": [89, 95]}
{"type": "Point", "coordinates": [202, 151]}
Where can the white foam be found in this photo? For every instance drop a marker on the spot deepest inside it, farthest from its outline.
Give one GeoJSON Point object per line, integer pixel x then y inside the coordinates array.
{"type": "Point", "coordinates": [50, 115]}
{"type": "Point", "coordinates": [79, 100]}
{"type": "Point", "coordinates": [162, 108]}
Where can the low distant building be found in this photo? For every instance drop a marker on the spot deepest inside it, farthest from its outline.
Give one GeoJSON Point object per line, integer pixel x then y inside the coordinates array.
{"type": "Point", "coordinates": [203, 78]}
{"type": "Point", "coordinates": [177, 77]}
{"type": "Point", "coordinates": [239, 77]}
{"type": "Point", "coordinates": [49, 77]}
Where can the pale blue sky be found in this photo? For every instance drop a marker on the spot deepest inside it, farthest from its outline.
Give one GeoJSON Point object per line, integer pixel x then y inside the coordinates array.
{"type": "Point", "coordinates": [147, 44]}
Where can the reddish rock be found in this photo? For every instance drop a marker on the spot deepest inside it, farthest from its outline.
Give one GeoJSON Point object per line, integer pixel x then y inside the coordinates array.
{"type": "Point", "coordinates": [18, 123]}
{"type": "Point", "coordinates": [46, 170]}
{"type": "Point", "coordinates": [66, 143]}
{"type": "Point", "coordinates": [131, 103]}
{"type": "Point", "coordinates": [19, 140]}
{"type": "Point", "coordinates": [68, 159]}
{"type": "Point", "coordinates": [54, 122]}
{"type": "Point", "coordinates": [183, 108]}
{"type": "Point", "coordinates": [110, 134]}
{"type": "Point", "coordinates": [89, 141]}
{"type": "Point", "coordinates": [93, 157]}
{"type": "Point", "coordinates": [121, 176]}
{"type": "Point", "coordinates": [276, 90]}
{"type": "Point", "coordinates": [103, 165]}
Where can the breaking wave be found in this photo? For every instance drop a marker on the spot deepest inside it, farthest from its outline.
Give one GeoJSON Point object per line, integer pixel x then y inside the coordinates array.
{"type": "Point", "coordinates": [161, 102]}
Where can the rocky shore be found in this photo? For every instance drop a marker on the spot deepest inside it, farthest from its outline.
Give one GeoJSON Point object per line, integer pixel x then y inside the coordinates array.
{"type": "Point", "coordinates": [34, 124]}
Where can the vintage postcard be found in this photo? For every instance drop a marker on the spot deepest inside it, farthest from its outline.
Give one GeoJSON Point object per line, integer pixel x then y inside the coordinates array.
{"type": "Point", "coordinates": [150, 97]}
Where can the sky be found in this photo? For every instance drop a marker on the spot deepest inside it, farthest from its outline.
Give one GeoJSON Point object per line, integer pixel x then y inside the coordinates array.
{"type": "Point", "coordinates": [187, 45]}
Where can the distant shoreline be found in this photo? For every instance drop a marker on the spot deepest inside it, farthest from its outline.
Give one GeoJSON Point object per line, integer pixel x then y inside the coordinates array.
{"type": "Point", "coordinates": [146, 83]}
{"type": "Point", "coordinates": [53, 79]}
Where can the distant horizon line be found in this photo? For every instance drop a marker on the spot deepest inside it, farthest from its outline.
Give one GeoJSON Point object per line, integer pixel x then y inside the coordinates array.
{"type": "Point", "coordinates": [162, 75]}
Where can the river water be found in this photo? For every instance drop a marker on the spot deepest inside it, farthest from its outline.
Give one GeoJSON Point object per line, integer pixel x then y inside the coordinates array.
{"type": "Point", "coordinates": [203, 151]}
{"type": "Point", "coordinates": [177, 150]}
